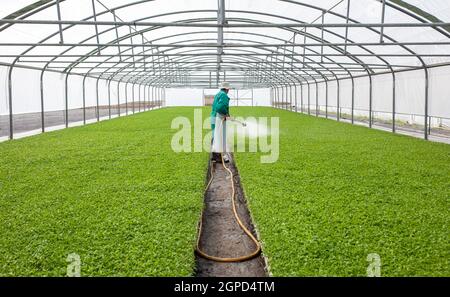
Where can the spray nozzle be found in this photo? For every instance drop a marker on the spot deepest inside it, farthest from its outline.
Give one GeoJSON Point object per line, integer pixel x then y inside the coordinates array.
{"type": "Point", "coordinates": [236, 121]}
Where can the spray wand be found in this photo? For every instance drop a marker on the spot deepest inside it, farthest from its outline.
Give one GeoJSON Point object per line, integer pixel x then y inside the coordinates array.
{"type": "Point", "coordinates": [234, 120]}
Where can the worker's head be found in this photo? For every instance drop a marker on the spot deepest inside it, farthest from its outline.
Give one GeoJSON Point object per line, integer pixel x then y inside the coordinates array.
{"type": "Point", "coordinates": [225, 86]}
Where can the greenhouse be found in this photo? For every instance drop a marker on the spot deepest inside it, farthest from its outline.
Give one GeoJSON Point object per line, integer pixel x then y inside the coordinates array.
{"type": "Point", "coordinates": [347, 103]}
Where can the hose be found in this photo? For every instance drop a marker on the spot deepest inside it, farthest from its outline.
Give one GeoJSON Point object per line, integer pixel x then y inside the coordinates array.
{"type": "Point", "coordinates": [238, 220]}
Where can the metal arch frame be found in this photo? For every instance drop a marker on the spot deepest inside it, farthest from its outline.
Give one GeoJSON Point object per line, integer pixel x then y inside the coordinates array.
{"type": "Point", "coordinates": [333, 61]}
{"type": "Point", "coordinates": [66, 80]}
{"type": "Point", "coordinates": [178, 61]}
{"type": "Point", "coordinates": [123, 68]}
{"type": "Point", "coordinates": [281, 81]}
{"type": "Point", "coordinates": [136, 34]}
{"type": "Point", "coordinates": [141, 33]}
{"type": "Point", "coordinates": [100, 62]}
{"type": "Point", "coordinates": [164, 14]}
{"type": "Point", "coordinates": [150, 78]}
{"type": "Point", "coordinates": [243, 62]}
{"type": "Point", "coordinates": [382, 35]}
{"type": "Point", "coordinates": [413, 15]}
{"type": "Point", "coordinates": [246, 32]}
{"type": "Point", "coordinates": [182, 41]}
{"type": "Point", "coordinates": [288, 1]}
{"type": "Point", "coordinates": [323, 11]}
{"type": "Point", "coordinates": [401, 9]}
{"type": "Point", "coordinates": [293, 80]}
{"type": "Point", "coordinates": [316, 82]}
{"type": "Point", "coordinates": [67, 75]}
{"type": "Point", "coordinates": [424, 66]}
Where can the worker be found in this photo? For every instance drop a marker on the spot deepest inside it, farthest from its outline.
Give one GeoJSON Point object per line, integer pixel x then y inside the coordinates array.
{"type": "Point", "coordinates": [219, 114]}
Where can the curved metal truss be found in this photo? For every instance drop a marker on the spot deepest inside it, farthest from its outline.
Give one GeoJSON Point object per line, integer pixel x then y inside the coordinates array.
{"type": "Point", "coordinates": [249, 48]}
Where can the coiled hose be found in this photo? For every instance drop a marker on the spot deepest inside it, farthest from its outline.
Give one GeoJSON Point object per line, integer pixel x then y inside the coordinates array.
{"type": "Point", "coordinates": [249, 234]}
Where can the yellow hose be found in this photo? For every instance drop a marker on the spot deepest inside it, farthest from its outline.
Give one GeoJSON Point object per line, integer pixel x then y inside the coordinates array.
{"type": "Point", "coordinates": [220, 259]}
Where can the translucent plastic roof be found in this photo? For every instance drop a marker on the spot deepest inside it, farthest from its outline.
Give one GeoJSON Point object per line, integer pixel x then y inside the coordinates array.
{"type": "Point", "coordinates": [251, 43]}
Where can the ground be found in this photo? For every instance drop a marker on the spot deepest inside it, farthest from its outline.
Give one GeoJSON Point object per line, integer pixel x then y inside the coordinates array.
{"type": "Point", "coordinates": [117, 195]}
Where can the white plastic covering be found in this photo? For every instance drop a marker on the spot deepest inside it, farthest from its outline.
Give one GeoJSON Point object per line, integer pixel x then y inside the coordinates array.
{"type": "Point", "coordinates": [287, 67]}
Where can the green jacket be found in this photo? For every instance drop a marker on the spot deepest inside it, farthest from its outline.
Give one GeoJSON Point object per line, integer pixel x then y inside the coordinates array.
{"type": "Point", "coordinates": [221, 104]}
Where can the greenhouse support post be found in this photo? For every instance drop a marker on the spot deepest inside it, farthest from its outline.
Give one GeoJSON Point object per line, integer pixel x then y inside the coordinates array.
{"type": "Point", "coordinates": [282, 97]}
{"type": "Point", "coordinates": [393, 99]}
{"type": "Point", "coordinates": [426, 102]}
{"type": "Point", "coordinates": [118, 97]}
{"type": "Point", "coordinates": [353, 97]}
{"type": "Point", "coordinates": [10, 99]}
{"type": "Point", "coordinates": [290, 97]}
{"type": "Point", "coordinates": [270, 96]}
{"type": "Point", "coordinates": [41, 86]}
{"type": "Point", "coordinates": [277, 103]}
{"type": "Point", "coordinates": [370, 98]}
{"type": "Point", "coordinates": [295, 94]}
{"type": "Point", "coordinates": [151, 100]}
{"type": "Point", "coordinates": [277, 97]}
{"type": "Point", "coordinates": [126, 97]}
{"type": "Point", "coordinates": [338, 100]}
{"type": "Point", "coordinates": [150, 96]}
{"type": "Point", "coordinates": [274, 97]}
{"type": "Point", "coordinates": [153, 97]}
{"type": "Point", "coordinates": [109, 98]}
{"type": "Point", "coordinates": [145, 97]}
{"type": "Point", "coordinates": [84, 100]}
{"type": "Point", "coordinates": [309, 99]}
{"type": "Point", "coordinates": [139, 96]}
{"type": "Point", "coordinates": [66, 108]}
{"type": "Point", "coordinates": [326, 98]}
{"type": "Point", "coordinates": [301, 98]}
{"type": "Point", "coordinates": [97, 105]}
{"type": "Point", "coordinates": [317, 98]}
{"type": "Point", "coordinates": [133, 85]}
{"type": "Point", "coordinates": [287, 96]}
{"type": "Point", "coordinates": [286, 105]}
{"type": "Point", "coordinates": [158, 97]}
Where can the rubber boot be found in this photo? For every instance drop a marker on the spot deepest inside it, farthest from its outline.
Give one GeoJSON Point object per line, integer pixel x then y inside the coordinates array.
{"type": "Point", "coordinates": [216, 158]}
{"type": "Point", "coordinates": [225, 158]}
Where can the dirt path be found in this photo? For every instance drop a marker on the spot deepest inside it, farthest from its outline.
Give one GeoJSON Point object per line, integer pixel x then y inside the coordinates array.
{"type": "Point", "coordinates": [221, 234]}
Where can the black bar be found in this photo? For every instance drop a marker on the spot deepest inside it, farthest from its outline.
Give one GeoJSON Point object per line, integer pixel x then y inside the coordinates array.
{"type": "Point", "coordinates": [191, 286]}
